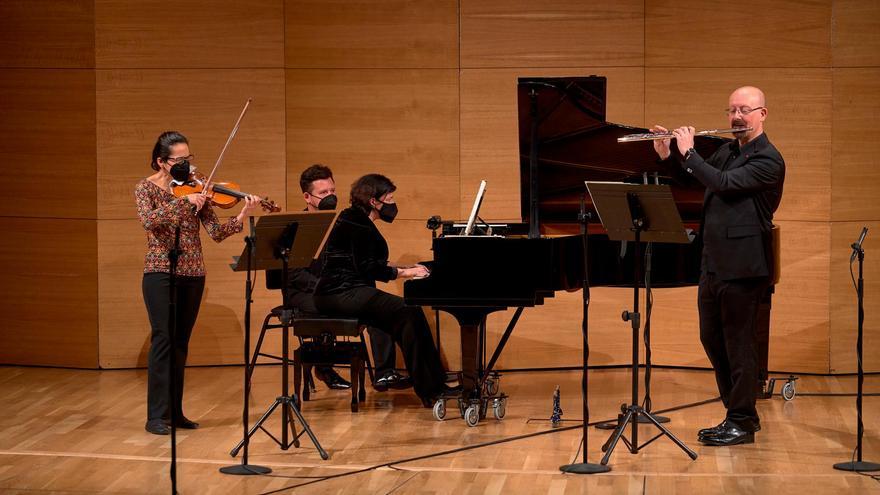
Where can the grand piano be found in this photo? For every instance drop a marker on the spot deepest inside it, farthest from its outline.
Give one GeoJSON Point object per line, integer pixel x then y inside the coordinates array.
{"type": "Point", "coordinates": [564, 141]}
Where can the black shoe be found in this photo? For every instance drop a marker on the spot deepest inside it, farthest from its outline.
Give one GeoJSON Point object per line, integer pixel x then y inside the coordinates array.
{"type": "Point", "coordinates": [708, 432]}
{"type": "Point", "coordinates": [332, 379]}
{"type": "Point", "coordinates": [713, 430]}
{"type": "Point", "coordinates": [393, 380]}
{"type": "Point", "coordinates": [446, 392]}
{"type": "Point", "coordinates": [157, 427]}
{"type": "Point", "coordinates": [400, 382]}
{"type": "Point", "coordinates": [186, 424]}
{"type": "Point", "coordinates": [730, 434]}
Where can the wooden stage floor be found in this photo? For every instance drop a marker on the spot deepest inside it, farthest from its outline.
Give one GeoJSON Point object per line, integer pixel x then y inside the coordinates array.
{"type": "Point", "coordinates": [75, 432]}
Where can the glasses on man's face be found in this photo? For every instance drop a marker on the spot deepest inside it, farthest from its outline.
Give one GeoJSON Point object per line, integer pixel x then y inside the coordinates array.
{"type": "Point", "coordinates": [174, 160]}
{"type": "Point", "coordinates": [742, 110]}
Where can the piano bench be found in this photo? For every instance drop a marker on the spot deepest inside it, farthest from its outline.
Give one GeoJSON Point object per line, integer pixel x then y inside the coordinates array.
{"type": "Point", "coordinates": [320, 345]}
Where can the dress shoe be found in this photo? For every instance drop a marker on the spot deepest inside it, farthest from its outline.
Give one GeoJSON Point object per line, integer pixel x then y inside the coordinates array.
{"type": "Point", "coordinates": [157, 427]}
{"type": "Point", "coordinates": [721, 426]}
{"type": "Point", "coordinates": [446, 392]}
{"type": "Point", "coordinates": [713, 430]}
{"type": "Point", "coordinates": [186, 423]}
{"type": "Point", "coordinates": [729, 434]}
{"type": "Point", "coordinates": [393, 380]}
{"type": "Point", "coordinates": [332, 379]}
{"type": "Point", "coordinates": [400, 382]}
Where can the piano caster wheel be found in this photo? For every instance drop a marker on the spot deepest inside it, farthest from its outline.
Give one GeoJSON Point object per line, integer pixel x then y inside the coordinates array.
{"type": "Point", "coordinates": [499, 408]}
{"type": "Point", "coordinates": [788, 390]}
{"type": "Point", "coordinates": [492, 386]}
{"type": "Point", "coordinates": [472, 415]}
{"type": "Point", "coordinates": [440, 409]}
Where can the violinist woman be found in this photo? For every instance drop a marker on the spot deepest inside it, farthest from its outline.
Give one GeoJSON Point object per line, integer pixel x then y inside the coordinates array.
{"type": "Point", "coordinates": [161, 214]}
{"type": "Point", "coordinates": [356, 256]}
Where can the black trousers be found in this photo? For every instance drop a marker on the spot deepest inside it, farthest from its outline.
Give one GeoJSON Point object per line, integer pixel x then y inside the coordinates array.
{"type": "Point", "coordinates": [728, 331]}
{"type": "Point", "coordinates": [384, 356]}
{"type": "Point", "coordinates": [406, 325]}
{"type": "Point", "coordinates": [156, 297]}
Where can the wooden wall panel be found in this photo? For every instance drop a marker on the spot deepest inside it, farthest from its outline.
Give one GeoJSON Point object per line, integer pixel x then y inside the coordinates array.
{"type": "Point", "coordinates": [49, 282]}
{"type": "Point", "coordinates": [135, 106]}
{"type": "Point", "coordinates": [855, 168]}
{"type": "Point", "coordinates": [401, 123]}
{"type": "Point", "coordinates": [124, 326]}
{"type": "Point", "coordinates": [47, 142]}
{"type": "Point", "coordinates": [843, 302]}
{"type": "Point", "coordinates": [489, 128]}
{"type": "Point", "coordinates": [522, 33]}
{"type": "Point", "coordinates": [167, 34]}
{"type": "Point", "coordinates": [751, 33]}
{"type": "Point", "coordinates": [365, 34]}
{"type": "Point", "coordinates": [856, 33]}
{"type": "Point", "coordinates": [801, 132]}
{"type": "Point", "coordinates": [799, 326]}
{"type": "Point", "coordinates": [47, 33]}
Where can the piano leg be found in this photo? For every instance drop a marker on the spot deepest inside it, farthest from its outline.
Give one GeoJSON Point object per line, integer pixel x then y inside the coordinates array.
{"type": "Point", "coordinates": [471, 321]}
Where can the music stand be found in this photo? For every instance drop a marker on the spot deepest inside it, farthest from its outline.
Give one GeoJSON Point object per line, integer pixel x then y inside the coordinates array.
{"type": "Point", "coordinates": [638, 213]}
{"type": "Point", "coordinates": [279, 242]}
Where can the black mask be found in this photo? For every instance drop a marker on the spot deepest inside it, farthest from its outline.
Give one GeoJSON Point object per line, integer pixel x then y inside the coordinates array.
{"type": "Point", "coordinates": [180, 171]}
{"type": "Point", "coordinates": [387, 212]}
{"type": "Point", "coordinates": [328, 202]}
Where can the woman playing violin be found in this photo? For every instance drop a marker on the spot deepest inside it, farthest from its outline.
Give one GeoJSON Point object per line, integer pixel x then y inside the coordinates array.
{"type": "Point", "coordinates": [161, 214]}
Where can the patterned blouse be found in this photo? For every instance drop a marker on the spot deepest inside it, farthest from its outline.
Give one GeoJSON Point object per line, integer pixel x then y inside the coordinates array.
{"type": "Point", "coordinates": [160, 212]}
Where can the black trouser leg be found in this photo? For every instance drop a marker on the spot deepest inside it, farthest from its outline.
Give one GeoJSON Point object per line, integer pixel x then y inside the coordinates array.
{"type": "Point", "coordinates": [406, 325]}
{"type": "Point", "coordinates": [189, 296]}
{"type": "Point", "coordinates": [712, 336]}
{"type": "Point", "coordinates": [728, 318]}
{"type": "Point", "coordinates": [384, 357]}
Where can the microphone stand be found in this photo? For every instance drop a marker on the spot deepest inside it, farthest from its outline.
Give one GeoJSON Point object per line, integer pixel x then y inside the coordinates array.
{"type": "Point", "coordinates": [859, 464]}
{"type": "Point", "coordinates": [244, 468]}
{"type": "Point", "coordinates": [585, 467]}
{"type": "Point", "coordinates": [173, 255]}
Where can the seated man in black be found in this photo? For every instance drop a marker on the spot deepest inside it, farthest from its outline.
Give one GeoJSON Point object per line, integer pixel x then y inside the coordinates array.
{"type": "Point", "coordinates": [355, 257]}
{"type": "Point", "coordinates": [319, 193]}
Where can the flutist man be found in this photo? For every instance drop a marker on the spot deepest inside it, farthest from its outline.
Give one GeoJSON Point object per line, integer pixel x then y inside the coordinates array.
{"type": "Point", "coordinates": [743, 182]}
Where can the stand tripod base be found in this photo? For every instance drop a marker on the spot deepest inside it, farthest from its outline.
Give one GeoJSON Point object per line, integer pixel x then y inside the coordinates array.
{"type": "Point", "coordinates": [584, 468]}
{"type": "Point", "coordinates": [245, 469]}
{"type": "Point", "coordinates": [289, 412]}
{"type": "Point", "coordinates": [857, 466]}
{"type": "Point", "coordinates": [642, 420]}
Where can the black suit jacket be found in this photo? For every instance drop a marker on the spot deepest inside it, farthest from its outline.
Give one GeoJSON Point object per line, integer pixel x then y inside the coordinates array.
{"type": "Point", "coordinates": [743, 190]}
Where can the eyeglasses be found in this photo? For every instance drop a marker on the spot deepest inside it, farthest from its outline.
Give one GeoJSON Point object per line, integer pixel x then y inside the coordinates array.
{"type": "Point", "coordinates": [742, 110]}
{"type": "Point", "coordinates": [174, 160]}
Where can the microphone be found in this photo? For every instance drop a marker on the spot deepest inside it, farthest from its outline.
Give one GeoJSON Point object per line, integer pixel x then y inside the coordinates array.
{"type": "Point", "coordinates": [857, 246]}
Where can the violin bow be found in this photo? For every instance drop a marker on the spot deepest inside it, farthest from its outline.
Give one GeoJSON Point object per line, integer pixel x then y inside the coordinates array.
{"type": "Point", "coordinates": [228, 140]}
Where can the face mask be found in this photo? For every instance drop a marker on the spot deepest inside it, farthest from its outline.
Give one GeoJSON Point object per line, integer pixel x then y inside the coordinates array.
{"type": "Point", "coordinates": [328, 202]}
{"type": "Point", "coordinates": [387, 212]}
{"type": "Point", "coordinates": [180, 171]}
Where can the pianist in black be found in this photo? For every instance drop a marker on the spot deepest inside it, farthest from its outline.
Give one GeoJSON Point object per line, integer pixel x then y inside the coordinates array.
{"type": "Point", "coordinates": [355, 258]}
{"type": "Point", "coordinates": [319, 193]}
{"type": "Point", "coordinates": [743, 182]}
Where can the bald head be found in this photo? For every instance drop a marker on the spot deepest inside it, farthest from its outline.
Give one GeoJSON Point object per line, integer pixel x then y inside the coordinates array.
{"type": "Point", "coordinates": [752, 94]}
{"type": "Point", "coordinates": [748, 108]}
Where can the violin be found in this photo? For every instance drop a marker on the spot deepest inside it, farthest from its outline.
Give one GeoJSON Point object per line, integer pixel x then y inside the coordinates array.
{"type": "Point", "coordinates": [221, 194]}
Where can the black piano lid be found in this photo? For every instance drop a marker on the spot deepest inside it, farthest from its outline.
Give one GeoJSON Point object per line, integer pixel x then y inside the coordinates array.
{"type": "Point", "coordinates": [576, 143]}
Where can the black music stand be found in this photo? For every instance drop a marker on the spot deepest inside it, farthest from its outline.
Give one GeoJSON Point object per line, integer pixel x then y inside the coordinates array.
{"type": "Point", "coordinates": [639, 213]}
{"type": "Point", "coordinates": [278, 242]}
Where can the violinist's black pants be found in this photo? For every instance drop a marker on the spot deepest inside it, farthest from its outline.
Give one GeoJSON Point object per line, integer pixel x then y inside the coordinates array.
{"type": "Point", "coordinates": [156, 297]}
